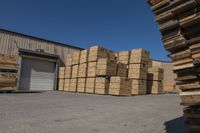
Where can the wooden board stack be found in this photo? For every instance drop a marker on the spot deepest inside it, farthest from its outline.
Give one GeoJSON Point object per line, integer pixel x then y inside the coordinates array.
{"type": "Point", "coordinates": [179, 24]}
{"type": "Point", "coordinates": [61, 77]}
{"type": "Point", "coordinates": [137, 71]}
{"type": "Point", "coordinates": [154, 80]}
{"type": "Point", "coordinates": [97, 65]}
{"type": "Point", "coordinates": [120, 86]}
{"type": "Point", "coordinates": [8, 72]}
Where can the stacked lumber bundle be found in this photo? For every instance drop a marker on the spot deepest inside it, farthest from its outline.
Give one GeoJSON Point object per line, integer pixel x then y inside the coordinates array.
{"type": "Point", "coordinates": [154, 80]}
{"type": "Point", "coordinates": [120, 86]}
{"type": "Point", "coordinates": [137, 71]}
{"type": "Point", "coordinates": [93, 71]}
{"type": "Point", "coordinates": [124, 57]}
{"type": "Point", "coordinates": [61, 77]}
{"type": "Point", "coordinates": [179, 24]}
{"type": "Point", "coordinates": [8, 72]}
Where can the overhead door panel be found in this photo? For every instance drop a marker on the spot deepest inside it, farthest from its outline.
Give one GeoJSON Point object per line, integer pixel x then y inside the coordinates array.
{"type": "Point", "coordinates": [37, 74]}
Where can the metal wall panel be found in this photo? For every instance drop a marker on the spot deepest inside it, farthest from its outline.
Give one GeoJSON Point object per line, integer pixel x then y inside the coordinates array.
{"type": "Point", "coordinates": [10, 43]}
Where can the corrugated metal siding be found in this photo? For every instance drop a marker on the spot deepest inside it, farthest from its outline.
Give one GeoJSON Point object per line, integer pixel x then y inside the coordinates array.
{"type": "Point", "coordinates": [10, 42]}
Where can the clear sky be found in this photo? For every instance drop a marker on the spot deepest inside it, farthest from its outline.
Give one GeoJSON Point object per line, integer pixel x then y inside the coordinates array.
{"type": "Point", "coordinates": [114, 24]}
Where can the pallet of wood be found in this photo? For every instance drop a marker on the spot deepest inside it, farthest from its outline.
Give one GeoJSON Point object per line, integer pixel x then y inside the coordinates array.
{"type": "Point", "coordinates": [8, 72]}
{"type": "Point", "coordinates": [120, 86]}
{"type": "Point", "coordinates": [106, 66]}
{"type": "Point", "coordinates": [154, 80]}
{"type": "Point", "coordinates": [179, 25]}
{"type": "Point", "coordinates": [121, 70]}
{"type": "Point", "coordinates": [90, 85]}
{"type": "Point", "coordinates": [81, 84]}
{"type": "Point", "coordinates": [124, 57]}
{"type": "Point", "coordinates": [102, 85]}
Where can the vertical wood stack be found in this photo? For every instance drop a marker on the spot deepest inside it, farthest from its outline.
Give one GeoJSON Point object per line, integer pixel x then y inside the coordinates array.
{"type": "Point", "coordinates": [179, 22]}
{"type": "Point", "coordinates": [120, 86]}
{"type": "Point", "coordinates": [8, 72]}
{"type": "Point", "coordinates": [137, 71]}
{"type": "Point", "coordinates": [155, 80]}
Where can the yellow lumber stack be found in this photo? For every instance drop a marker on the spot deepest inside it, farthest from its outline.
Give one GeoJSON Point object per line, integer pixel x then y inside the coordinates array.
{"type": "Point", "coordinates": [106, 67]}
{"type": "Point", "coordinates": [122, 70]}
{"type": "Point", "coordinates": [93, 71]}
{"type": "Point", "coordinates": [137, 71]}
{"type": "Point", "coordinates": [102, 85]}
{"type": "Point", "coordinates": [81, 85]}
{"type": "Point", "coordinates": [8, 72]}
{"type": "Point", "coordinates": [124, 57]}
{"type": "Point", "coordinates": [82, 71]}
{"type": "Point", "coordinates": [155, 78]}
{"type": "Point", "coordinates": [61, 78]}
{"type": "Point", "coordinates": [90, 85]}
{"type": "Point", "coordinates": [120, 86]}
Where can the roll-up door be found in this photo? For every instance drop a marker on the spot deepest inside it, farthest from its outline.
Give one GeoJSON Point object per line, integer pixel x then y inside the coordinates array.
{"type": "Point", "coordinates": [37, 75]}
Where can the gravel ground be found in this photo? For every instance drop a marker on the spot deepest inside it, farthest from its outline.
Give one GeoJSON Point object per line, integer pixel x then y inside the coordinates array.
{"type": "Point", "coordinates": [61, 112]}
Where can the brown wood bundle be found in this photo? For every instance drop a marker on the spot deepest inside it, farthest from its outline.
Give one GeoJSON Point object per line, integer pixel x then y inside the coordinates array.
{"type": "Point", "coordinates": [102, 85]}
{"type": "Point", "coordinates": [68, 72]}
{"type": "Point", "coordinates": [122, 69]}
{"type": "Point", "coordinates": [82, 71]}
{"type": "Point", "coordinates": [73, 85]}
{"type": "Point", "coordinates": [97, 52]}
{"type": "Point", "coordinates": [124, 57]}
{"type": "Point", "coordinates": [81, 84]}
{"type": "Point", "coordinates": [155, 87]}
{"type": "Point", "coordinates": [8, 59]}
{"type": "Point", "coordinates": [137, 71]}
{"type": "Point", "coordinates": [90, 85]}
{"type": "Point", "coordinates": [69, 60]}
{"type": "Point", "coordinates": [84, 56]}
{"type": "Point", "coordinates": [120, 86]}
{"type": "Point", "coordinates": [67, 85]}
{"type": "Point", "coordinates": [139, 87]}
{"type": "Point", "coordinates": [155, 73]}
{"type": "Point", "coordinates": [61, 83]}
{"type": "Point", "coordinates": [61, 74]}
{"type": "Point", "coordinates": [92, 66]}
{"type": "Point", "coordinates": [76, 58]}
{"type": "Point", "coordinates": [75, 69]}
{"type": "Point", "coordinates": [139, 56]}
{"type": "Point", "coordinates": [106, 67]}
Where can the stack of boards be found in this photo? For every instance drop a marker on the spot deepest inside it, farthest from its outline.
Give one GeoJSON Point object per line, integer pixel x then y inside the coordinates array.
{"type": "Point", "coordinates": [8, 72]}
{"type": "Point", "coordinates": [179, 22]}
{"type": "Point", "coordinates": [96, 70]}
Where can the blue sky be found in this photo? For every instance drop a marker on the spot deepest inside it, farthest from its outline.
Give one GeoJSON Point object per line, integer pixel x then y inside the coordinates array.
{"type": "Point", "coordinates": [114, 24]}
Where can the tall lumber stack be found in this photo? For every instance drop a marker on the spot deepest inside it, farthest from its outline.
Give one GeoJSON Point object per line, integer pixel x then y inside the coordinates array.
{"type": "Point", "coordinates": [8, 72]}
{"type": "Point", "coordinates": [155, 80]}
{"type": "Point", "coordinates": [179, 22]}
{"type": "Point", "coordinates": [137, 71]}
{"type": "Point", "coordinates": [101, 71]}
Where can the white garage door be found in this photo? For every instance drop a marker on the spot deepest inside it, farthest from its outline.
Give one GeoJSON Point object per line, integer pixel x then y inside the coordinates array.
{"type": "Point", "coordinates": [37, 75]}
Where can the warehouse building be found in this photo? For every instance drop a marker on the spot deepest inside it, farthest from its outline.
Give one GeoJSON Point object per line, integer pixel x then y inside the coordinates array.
{"type": "Point", "coordinates": [38, 59]}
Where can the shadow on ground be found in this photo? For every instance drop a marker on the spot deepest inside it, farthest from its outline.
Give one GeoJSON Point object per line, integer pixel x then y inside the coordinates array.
{"type": "Point", "coordinates": [176, 125]}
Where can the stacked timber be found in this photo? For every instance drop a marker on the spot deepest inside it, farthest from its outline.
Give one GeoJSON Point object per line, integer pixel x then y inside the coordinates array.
{"type": "Point", "coordinates": [154, 80]}
{"type": "Point", "coordinates": [124, 57]}
{"type": "Point", "coordinates": [179, 22]}
{"type": "Point", "coordinates": [8, 72]}
{"type": "Point", "coordinates": [93, 71]}
{"type": "Point", "coordinates": [61, 80]}
{"type": "Point", "coordinates": [120, 86]}
{"type": "Point", "coordinates": [90, 85]}
{"type": "Point", "coordinates": [102, 85]}
{"type": "Point", "coordinates": [121, 70]}
{"type": "Point", "coordinates": [137, 71]}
